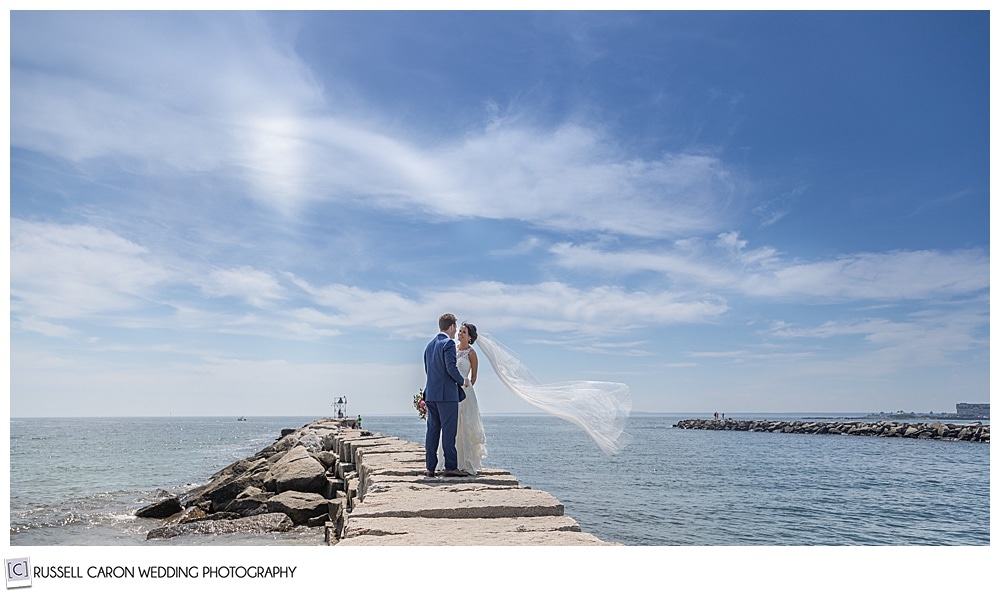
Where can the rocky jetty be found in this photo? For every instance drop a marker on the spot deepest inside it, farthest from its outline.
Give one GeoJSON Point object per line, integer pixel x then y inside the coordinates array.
{"type": "Point", "coordinates": [298, 480]}
{"type": "Point", "coordinates": [975, 432]}
{"type": "Point", "coordinates": [364, 489]}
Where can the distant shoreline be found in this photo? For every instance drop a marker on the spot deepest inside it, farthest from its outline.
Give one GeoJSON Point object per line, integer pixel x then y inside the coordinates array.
{"type": "Point", "coordinates": [743, 414]}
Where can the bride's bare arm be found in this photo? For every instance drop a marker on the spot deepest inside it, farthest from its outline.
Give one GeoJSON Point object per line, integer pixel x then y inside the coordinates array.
{"type": "Point", "coordinates": [474, 361]}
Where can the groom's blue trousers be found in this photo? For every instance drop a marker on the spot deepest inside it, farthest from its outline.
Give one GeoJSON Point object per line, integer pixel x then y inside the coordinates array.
{"type": "Point", "coordinates": [442, 427]}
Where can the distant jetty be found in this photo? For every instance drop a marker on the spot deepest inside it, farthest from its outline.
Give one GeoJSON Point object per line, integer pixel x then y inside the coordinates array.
{"type": "Point", "coordinates": [975, 432]}
{"type": "Point", "coordinates": [366, 489]}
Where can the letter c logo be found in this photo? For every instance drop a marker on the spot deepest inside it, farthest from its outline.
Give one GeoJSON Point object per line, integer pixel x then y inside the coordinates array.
{"type": "Point", "coordinates": [18, 572]}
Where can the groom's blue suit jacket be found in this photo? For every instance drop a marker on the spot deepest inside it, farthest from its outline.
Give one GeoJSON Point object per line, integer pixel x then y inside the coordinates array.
{"type": "Point", "coordinates": [444, 382]}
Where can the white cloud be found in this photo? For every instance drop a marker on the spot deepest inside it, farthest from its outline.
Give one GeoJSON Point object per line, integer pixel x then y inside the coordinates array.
{"type": "Point", "coordinates": [202, 93]}
{"type": "Point", "coordinates": [253, 286]}
{"type": "Point", "coordinates": [926, 337]}
{"type": "Point", "coordinates": [894, 275]}
{"type": "Point", "coordinates": [165, 93]}
{"type": "Point", "coordinates": [572, 177]}
{"type": "Point", "coordinates": [567, 178]}
{"type": "Point", "coordinates": [73, 272]}
{"type": "Point", "coordinates": [548, 307]}
{"type": "Point", "coordinates": [32, 324]}
{"type": "Point", "coordinates": [59, 271]}
{"type": "Point", "coordinates": [525, 247]}
{"type": "Point", "coordinates": [762, 272]}
{"type": "Point", "coordinates": [774, 209]}
{"type": "Point", "coordinates": [69, 272]}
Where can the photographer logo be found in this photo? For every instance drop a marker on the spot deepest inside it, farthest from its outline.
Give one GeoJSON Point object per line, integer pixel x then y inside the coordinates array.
{"type": "Point", "coordinates": [18, 572]}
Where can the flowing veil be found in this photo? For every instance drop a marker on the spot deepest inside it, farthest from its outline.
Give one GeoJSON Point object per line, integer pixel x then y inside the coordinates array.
{"type": "Point", "coordinates": [598, 407]}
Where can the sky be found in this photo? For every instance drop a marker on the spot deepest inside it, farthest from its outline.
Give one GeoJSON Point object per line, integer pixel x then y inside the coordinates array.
{"type": "Point", "coordinates": [256, 213]}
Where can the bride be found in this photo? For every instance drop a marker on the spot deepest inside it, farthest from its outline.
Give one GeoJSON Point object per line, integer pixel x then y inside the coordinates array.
{"type": "Point", "coordinates": [471, 438]}
{"type": "Point", "coordinates": [600, 408]}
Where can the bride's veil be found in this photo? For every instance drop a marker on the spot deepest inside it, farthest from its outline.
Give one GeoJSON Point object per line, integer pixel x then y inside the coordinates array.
{"type": "Point", "coordinates": [598, 407]}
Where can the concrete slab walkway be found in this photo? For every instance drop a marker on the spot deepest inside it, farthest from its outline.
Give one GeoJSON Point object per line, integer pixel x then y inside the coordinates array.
{"type": "Point", "coordinates": [390, 502]}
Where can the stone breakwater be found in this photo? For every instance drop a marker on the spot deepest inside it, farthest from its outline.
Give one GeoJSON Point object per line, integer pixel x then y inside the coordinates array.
{"type": "Point", "coordinates": [976, 432]}
{"type": "Point", "coordinates": [364, 489]}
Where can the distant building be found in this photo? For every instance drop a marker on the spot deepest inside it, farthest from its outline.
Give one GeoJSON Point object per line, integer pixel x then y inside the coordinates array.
{"type": "Point", "coordinates": [973, 411]}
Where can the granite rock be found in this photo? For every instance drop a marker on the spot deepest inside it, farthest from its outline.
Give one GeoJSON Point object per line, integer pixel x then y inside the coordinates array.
{"type": "Point", "coordinates": [167, 507]}
{"type": "Point", "coordinates": [260, 524]}
{"type": "Point", "coordinates": [298, 471]}
{"type": "Point", "coordinates": [301, 507]}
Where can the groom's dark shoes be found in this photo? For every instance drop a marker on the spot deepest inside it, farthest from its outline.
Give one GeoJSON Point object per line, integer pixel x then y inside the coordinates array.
{"type": "Point", "coordinates": [429, 474]}
{"type": "Point", "coordinates": [457, 473]}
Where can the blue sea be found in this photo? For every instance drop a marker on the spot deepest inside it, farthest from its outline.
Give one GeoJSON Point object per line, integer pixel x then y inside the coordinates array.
{"type": "Point", "coordinates": [77, 481]}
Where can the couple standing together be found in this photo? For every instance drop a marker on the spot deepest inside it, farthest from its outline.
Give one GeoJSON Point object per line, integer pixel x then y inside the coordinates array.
{"type": "Point", "coordinates": [456, 441]}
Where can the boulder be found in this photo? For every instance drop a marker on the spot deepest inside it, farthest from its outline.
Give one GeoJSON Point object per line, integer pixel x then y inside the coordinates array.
{"type": "Point", "coordinates": [226, 488]}
{"type": "Point", "coordinates": [192, 514]}
{"type": "Point", "coordinates": [300, 507]}
{"type": "Point", "coordinates": [299, 471]}
{"type": "Point", "coordinates": [327, 458]}
{"type": "Point", "coordinates": [228, 483]}
{"type": "Point", "coordinates": [249, 492]}
{"type": "Point", "coordinates": [312, 442]}
{"type": "Point", "coordinates": [259, 524]}
{"type": "Point", "coordinates": [252, 501]}
{"type": "Point", "coordinates": [161, 509]}
{"type": "Point", "coordinates": [221, 515]}
{"type": "Point", "coordinates": [250, 465]}
{"type": "Point", "coordinates": [287, 442]}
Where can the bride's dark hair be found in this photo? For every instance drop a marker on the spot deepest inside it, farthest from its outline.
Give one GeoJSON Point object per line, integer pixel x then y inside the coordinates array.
{"type": "Point", "coordinates": [473, 334]}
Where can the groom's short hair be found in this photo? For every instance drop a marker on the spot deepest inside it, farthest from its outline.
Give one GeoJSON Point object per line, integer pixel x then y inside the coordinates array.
{"type": "Point", "coordinates": [447, 320]}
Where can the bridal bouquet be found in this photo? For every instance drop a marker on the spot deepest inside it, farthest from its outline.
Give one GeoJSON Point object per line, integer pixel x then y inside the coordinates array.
{"type": "Point", "coordinates": [420, 404]}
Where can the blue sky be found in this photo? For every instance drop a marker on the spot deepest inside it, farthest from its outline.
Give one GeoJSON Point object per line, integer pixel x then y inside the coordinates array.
{"type": "Point", "coordinates": [239, 213]}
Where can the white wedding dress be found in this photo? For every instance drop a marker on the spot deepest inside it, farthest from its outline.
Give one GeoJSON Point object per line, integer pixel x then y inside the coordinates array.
{"type": "Point", "coordinates": [471, 438]}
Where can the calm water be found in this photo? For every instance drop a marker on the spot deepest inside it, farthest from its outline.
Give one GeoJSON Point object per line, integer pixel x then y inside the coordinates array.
{"type": "Point", "coordinates": [77, 481]}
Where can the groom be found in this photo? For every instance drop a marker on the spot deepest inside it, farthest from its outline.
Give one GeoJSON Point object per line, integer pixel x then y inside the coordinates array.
{"type": "Point", "coordinates": [442, 393]}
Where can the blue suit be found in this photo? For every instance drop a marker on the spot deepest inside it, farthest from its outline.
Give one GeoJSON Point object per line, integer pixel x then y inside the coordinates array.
{"type": "Point", "coordinates": [442, 392]}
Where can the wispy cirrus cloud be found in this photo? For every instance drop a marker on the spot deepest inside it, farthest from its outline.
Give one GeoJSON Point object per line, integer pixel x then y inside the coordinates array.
{"type": "Point", "coordinates": [167, 93]}
{"type": "Point", "coordinates": [774, 209]}
{"type": "Point", "coordinates": [549, 307]}
{"type": "Point", "coordinates": [256, 287]}
{"type": "Point", "coordinates": [238, 103]}
{"type": "Point", "coordinates": [66, 273]}
{"type": "Point", "coordinates": [572, 178]}
{"type": "Point", "coordinates": [62, 274]}
{"type": "Point", "coordinates": [926, 336]}
{"type": "Point", "coordinates": [727, 265]}
{"type": "Point", "coordinates": [877, 348]}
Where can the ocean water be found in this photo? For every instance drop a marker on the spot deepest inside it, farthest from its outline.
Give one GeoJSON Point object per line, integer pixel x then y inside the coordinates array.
{"type": "Point", "coordinates": [78, 481]}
